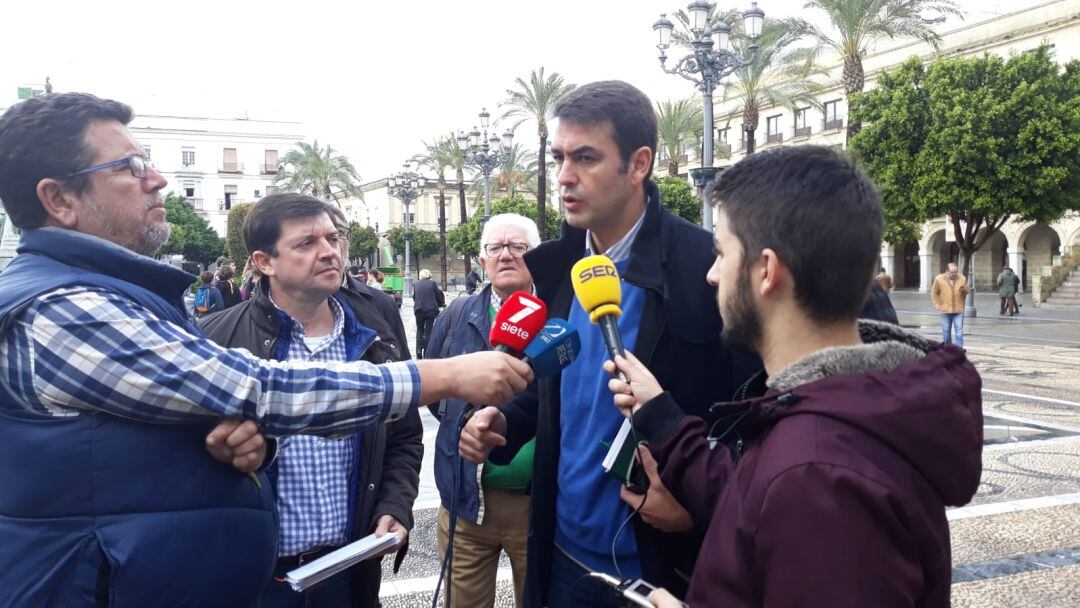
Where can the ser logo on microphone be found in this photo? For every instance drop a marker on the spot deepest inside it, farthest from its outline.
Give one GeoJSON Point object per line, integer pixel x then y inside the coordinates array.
{"type": "Point", "coordinates": [593, 272]}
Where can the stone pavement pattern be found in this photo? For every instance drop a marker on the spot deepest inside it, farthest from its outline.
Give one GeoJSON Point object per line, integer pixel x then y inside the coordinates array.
{"type": "Point", "coordinates": [1016, 544]}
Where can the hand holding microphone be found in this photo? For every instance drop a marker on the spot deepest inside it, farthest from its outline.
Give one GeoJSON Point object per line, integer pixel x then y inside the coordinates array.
{"type": "Point", "coordinates": [552, 349]}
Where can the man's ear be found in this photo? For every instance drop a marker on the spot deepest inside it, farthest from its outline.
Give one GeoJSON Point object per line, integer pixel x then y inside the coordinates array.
{"type": "Point", "coordinates": [60, 203]}
{"type": "Point", "coordinates": [261, 260]}
{"type": "Point", "coordinates": [774, 273]}
{"type": "Point", "coordinates": [641, 160]}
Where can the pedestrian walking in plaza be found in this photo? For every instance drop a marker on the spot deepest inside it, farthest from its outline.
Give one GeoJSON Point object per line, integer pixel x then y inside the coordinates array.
{"type": "Point", "coordinates": [428, 300]}
{"type": "Point", "coordinates": [207, 297]}
{"type": "Point", "coordinates": [491, 502]}
{"type": "Point", "coordinates": [948, 293]}
{"type": "Point", "coordinates": [472, 280]}
{"type": "Point", "coordinates": [230, 293]}
{"type": "Point", "coordinates": [1007, 285]}
{"type": "Point", "coordinates": [884, 280]}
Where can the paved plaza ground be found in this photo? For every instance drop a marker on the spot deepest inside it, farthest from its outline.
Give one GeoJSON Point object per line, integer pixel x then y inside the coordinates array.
{"type": "Point", "coordinates": [1016, 544]}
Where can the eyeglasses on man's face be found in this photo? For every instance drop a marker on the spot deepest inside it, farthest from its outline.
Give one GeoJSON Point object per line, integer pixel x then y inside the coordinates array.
{"type": "Point", "coordinates": [138, 164]}
{"type": "Point", "coordinates": [344, 233]}
{"type": "Point", "coordinates": [517, 249]}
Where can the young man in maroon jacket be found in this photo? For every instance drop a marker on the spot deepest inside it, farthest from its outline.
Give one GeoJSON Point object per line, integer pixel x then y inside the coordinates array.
{"type": "Point", "coordinates": [827, 484]}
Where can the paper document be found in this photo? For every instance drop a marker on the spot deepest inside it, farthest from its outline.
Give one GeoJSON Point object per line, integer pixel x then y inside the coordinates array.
{"type": "Point", "coordinates": [621, 454]}
{"type": "Point", "coordinates": [342, 559]}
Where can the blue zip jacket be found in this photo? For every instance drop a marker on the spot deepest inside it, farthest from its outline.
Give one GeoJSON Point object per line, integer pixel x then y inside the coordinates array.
{"type": "Point", "coordinates": [100, 510]}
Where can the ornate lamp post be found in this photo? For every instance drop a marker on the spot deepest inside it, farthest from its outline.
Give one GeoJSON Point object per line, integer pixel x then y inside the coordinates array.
{"type": "Point", "coordinates": [485, 154]}
{"type": "Point", "coordinates": [706, 66]}
{"type": "Point", "coordinates": [406, 186]}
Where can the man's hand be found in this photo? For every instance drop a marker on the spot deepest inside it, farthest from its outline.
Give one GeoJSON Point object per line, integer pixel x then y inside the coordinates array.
{"type": "Point", "coordinates": [237, 442]}
{"type": "Point", "coordinates": [487, 377]}
{"type": "Point", "coordinates": [662, 598]}
{"type": "Point", "coordinates": [660, 509]}
{"type": "Point", "coordinates": [482, 434]}
{"type": "Point", "coordinates": [387, 524]}
{"type": "Point", "coordinates": [641, 385]}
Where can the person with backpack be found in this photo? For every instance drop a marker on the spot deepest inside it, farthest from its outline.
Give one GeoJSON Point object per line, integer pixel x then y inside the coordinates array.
{"type": "Point", "coordinates": [207, 297]}
{"type": "Point", "coordinates": [230, 293]}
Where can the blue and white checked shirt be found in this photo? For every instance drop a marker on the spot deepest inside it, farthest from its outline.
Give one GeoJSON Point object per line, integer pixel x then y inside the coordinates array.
{"type": "Point", "coordinates": [313, 472]}
{"type": "Point", "coordinates": [81, 348]}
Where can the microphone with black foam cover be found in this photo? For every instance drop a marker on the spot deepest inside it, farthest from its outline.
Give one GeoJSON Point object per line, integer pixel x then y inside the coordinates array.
{"type": "Point", "coordinates": [596, 284]}
{"type": "Point", "coordinates": [517, 322]}
{"type": "Point", "coordinates": [554, 348]}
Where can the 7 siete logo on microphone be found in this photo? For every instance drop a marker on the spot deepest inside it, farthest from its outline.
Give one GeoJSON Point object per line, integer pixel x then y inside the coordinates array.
{"type": "Point", "coordinates": [521, 317]}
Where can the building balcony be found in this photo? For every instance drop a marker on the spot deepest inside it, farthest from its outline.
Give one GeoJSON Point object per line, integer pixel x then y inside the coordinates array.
{"type": "Point", "coordinates": [195, 203]}
{"type": "Point", "coordinates": [836, 123]}
{"type": "Point", "coordinates": [231, 168]}
{"type": "Point", "coordinates": [266, 169]}
{"type": "Point", "coordinates": [189, 168]}
{"type": "Point", "coordinates": [802, 132]}
{"type": "Point", "coordinates": [232, 203]}
{"type": "Point", "coordinates": [774, 138]}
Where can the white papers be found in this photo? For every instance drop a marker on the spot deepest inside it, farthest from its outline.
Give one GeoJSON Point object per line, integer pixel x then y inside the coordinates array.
{"type": "Point", "coordinates": [617, 445]}
{"type": "Point", "coordinates": [342, 559]}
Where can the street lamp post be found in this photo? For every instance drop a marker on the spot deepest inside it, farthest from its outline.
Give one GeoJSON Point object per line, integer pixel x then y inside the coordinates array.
{"type": "Point", "coordinates": [485, 154]}
{"type": "Point", "coordinates": [706, 67]}
{"type": "Point", "coordinates": [406, 186]}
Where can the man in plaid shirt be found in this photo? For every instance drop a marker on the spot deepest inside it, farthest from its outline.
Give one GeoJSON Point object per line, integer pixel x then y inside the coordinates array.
{"type": "Point", "coordinates": [329, 491]}
{"type": "Point", "coordinates": [108, 387]}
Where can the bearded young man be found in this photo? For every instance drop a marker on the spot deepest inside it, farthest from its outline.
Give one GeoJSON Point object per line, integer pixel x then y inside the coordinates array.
{"type": "Point", "coordinates": [827, 483]}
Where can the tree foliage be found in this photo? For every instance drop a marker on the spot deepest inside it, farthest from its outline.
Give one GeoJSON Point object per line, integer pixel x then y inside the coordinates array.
{"type": "Point", "coordinates": [536, 99]}
{"type": "Point", "coordinates": [679, 124]}
{"type": "Point", "coordinates": [190, 235]}
{"type": "Point", "coordinates": [317, 171]}
{"type": "Point", "coordinates": [424, 243]}
{"type": "Point", "coordinates": [363, 241]}
{"type": "Point", "coordinates": [678, 196]}
{"type": "Point", "coordinates": [465, 239]}
{"type": "Point", "coordinates": [234, 234]}
{"type": "Point", "coordinates": [982, 140]}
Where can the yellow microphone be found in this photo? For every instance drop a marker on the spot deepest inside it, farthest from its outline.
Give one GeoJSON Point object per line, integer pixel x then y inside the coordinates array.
{"type": "Point", "coordinates": [596, 284]}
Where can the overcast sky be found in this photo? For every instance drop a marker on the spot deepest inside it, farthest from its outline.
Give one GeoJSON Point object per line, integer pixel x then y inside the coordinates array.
{"type": "Point", "coordinates": [371, 78]}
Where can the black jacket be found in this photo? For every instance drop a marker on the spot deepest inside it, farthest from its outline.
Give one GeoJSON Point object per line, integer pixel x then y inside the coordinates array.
{"type": "Point", "coordinates": [392, 453]}
{"type": "Point", "coordinates": [427, 297]}
{"type": "Point", "coordinates": [230, 293]}
{"type": "Point", "coordinates": [679, 340]}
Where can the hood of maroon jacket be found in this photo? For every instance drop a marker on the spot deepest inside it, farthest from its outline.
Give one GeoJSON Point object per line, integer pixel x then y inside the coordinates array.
{"type": "Point", "coordinates": [921, 398]}
{"type": "Point", "coordinates": [859, 446]}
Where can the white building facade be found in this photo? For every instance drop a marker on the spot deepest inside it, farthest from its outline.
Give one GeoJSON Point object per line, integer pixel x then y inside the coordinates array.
{"type": "Point", "coordinates": [1030, 249]}
{"type": "Point", "coordinates": [216, 163]}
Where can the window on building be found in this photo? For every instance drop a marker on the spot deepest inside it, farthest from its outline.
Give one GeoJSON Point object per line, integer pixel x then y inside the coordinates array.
{"type": "Point", "coordinates": [802, 127]}
{"type": "Point", "coordinates": [228, 161]}
{"type": "Point", "coordinates": [772, 125]}
{"type": "Point", "coordinates": [230, 197]}
{"type": "Point", "coordinates": [187, 157]}
{"type": "Point", "coordinates": [270, 161]}
{"type": "Point", "coordinates": [189, 188]}
{"type": "Point", "coordinates": [270, 190]}
{"type": "Point", "coordinates": [722, 135]}
{"type": "Point", "coordinates": [146, 152]}
{"type": "Point", "coordinates": [832, 115]}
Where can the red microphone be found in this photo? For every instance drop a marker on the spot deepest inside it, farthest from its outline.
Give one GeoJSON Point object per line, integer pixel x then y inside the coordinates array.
{"type": "Point", "coordinates": [520, 319]}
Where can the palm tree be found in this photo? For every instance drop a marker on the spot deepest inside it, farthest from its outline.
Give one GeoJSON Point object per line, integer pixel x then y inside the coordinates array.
{"type": "Point", "coordinates": [438, 156]}
{"type": "Point", "coordinates": [318, 172]}
{"type": "Point", "coordinates": [536, 99]}
{"type": "Point", "coordinates": [517, 169]}
{"type": "Point", "coordinates": [858, 24]}
{"type": "Point", "coordinates": [456, 156]}
{"type": "Point", "coordinates": [778, 76]}
{"type": "Point", "coordinates": [678, 122]}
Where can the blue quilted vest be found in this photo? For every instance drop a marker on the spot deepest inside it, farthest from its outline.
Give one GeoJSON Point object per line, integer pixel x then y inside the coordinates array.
{"type": "Point", "coordinates": [99, 510]}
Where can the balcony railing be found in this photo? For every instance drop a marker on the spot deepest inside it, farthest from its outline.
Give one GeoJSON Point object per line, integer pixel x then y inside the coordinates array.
{"type": "Point", "coordinates": [231, 168]}
{"type": "Point", "coordinates": [802, 132]}
{"type": "Point", "coordinates": [232, 203]}
{"type": "Point", "coordinates": [836, 123]}
{"type": "Point", "coordinates": [196, 203]}
{"type": "Point", "coordinates": [266, 169]}
{"type": "Point", "coordinates": [774, 138]}
{"type": "Point", "coordinates": [189, 168]}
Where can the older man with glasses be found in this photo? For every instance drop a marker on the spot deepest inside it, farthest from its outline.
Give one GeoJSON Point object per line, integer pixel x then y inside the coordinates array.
{"type": "Point", "coordinates": [492, 502]}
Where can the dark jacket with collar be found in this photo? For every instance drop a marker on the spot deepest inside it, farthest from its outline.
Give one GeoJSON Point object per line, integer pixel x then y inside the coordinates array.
{"type": "Point", "coordinates": [389, 462]}
{"type": "Point", "coordinates": [679, 340]}
{"type": "Point", "coordinates": [462, 328]}
{"type": "Point", "coordinates": [427, 297]}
